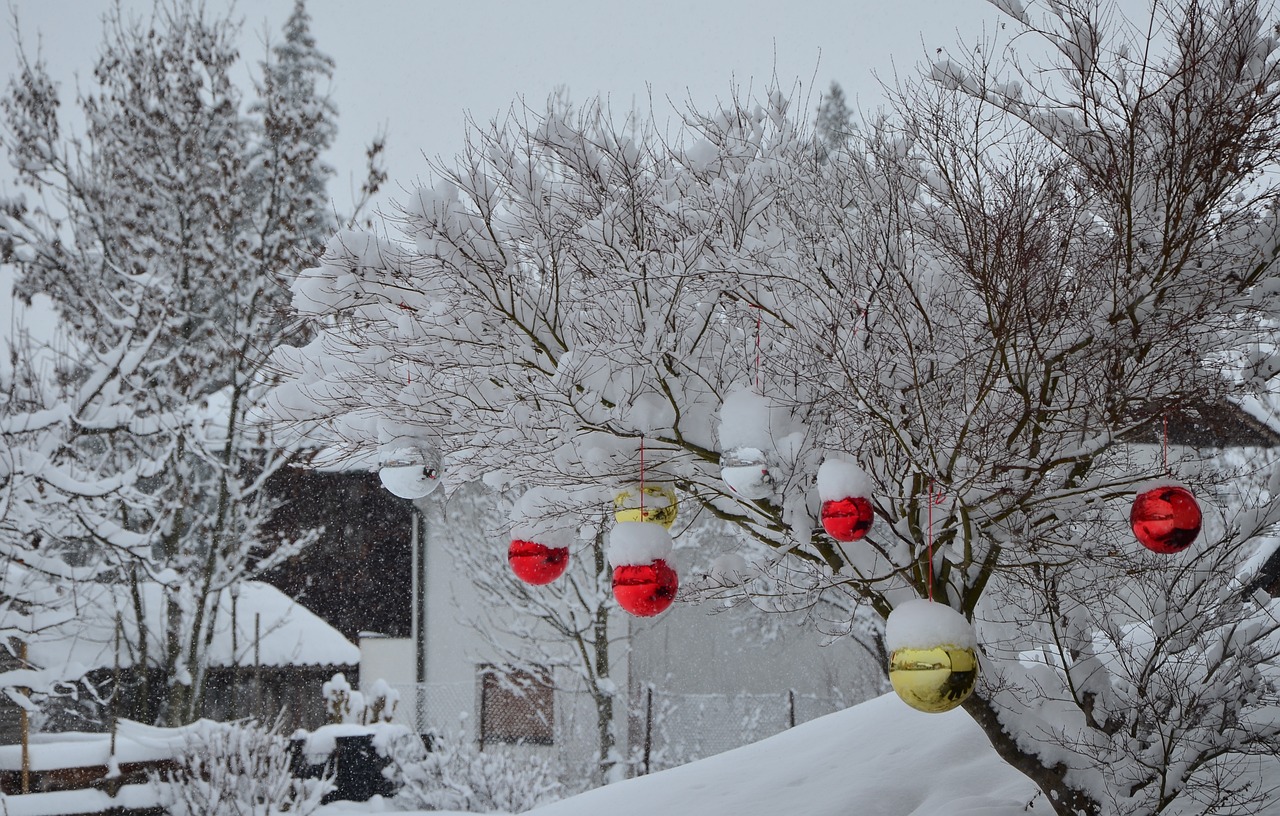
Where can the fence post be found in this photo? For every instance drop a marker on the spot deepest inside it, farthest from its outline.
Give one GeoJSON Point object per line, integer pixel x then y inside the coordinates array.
{"type": "Point", "coordinates": [791, 705]}
{"type": "Point", "coordinates": [484, 705]}
{"type": "Point", "coordinates": [257, 666]}
{"type": "Point", "coordinates": [648, 727]}
{"type": "Point", "coordinates": [24, 723]}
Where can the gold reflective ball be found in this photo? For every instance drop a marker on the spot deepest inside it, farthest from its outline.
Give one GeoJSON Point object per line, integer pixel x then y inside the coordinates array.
{"type": "Point", "coordinates": [660, 505]}
{"type": "Point", "coordinates": [933, 680]}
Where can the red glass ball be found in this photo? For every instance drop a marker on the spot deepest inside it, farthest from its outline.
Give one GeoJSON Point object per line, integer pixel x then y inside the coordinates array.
{"type": "Point", "coordinates": [847, 519]}
{"type": "Point", "coordinates": [644, 590]}
{"type": "Point", "coordinates": [1165, 520]}
{"type": "Point", "coordinates": [536, 563]}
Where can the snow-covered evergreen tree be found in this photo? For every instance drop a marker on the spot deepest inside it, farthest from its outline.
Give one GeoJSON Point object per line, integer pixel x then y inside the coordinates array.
{"type": "Point", "coordinates": [833, 124]}
{"type": "Point", "coordinates": [985, 300]}
{"type": "Point", "coordinates": [298, 124]}
{"type": "Point", "coordinates": [165, 235]}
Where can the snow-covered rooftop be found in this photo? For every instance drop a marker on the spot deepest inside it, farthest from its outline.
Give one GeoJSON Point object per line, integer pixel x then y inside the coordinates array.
{"type": "Point", "coordinates": [289, 633]}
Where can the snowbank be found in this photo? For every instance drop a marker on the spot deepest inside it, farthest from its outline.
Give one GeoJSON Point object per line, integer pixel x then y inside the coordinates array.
{"type": "Point", "coordinates": [879, 758]}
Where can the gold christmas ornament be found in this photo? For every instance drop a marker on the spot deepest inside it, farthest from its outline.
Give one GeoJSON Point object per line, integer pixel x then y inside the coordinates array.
{"type": "Point", "coordinates": [660, 504]}
{"type": "Point", "coordinates": [933, 680]}
{"type": "Point", "coordinates": [933, 655]}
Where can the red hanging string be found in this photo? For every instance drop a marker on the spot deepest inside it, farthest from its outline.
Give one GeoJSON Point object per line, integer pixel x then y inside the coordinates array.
{"type": "Point", "coordinates": [1164, 447]}
{"type": "Point", "coordinates": [929, 540]}
{"type": "Point", "coordinates": [642, 518]}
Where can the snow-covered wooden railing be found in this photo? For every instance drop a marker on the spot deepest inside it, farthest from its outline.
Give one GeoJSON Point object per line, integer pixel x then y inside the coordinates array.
{"type": "Point", "coordinates": [79, 774]}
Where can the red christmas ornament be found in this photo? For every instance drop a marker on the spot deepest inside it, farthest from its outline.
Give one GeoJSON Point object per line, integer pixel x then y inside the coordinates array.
{"type": "Point", "coordinates": [644, 590]}
{"type": "Point", "coordinates": [1165, 519]}
{"type": "Point", "coordinates": [847, 519]}
{"type": "Point", "coordinates": [536, 563]}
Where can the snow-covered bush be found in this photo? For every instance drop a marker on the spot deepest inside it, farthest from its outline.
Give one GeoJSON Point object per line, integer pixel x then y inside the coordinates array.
{"type": "Point", "coordinates": [344, 704]}
{"type": "Point", "coordinates": [456, 775]}
{"type": "Point", "coordinates": [380, 703]}
{"type": "Point", "coordinates": [237, 769]}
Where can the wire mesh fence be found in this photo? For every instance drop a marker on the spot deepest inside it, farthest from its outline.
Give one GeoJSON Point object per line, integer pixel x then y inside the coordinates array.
{"type": "Point", "coordinates": [437, 708]}
{"type": "Point", "coordinates": [667, 729]}
{"type": "Point", "coordinates": [655, 729]}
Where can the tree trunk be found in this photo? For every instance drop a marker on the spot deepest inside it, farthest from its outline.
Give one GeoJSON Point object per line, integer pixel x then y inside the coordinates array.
{"type": "Point", "coordinates": [1065, 800]}
{"type": "Point", "coordinates": [603, 697]}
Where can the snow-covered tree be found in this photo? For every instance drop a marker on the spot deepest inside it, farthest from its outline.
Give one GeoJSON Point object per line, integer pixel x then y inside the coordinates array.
{"type": "Point", "coordinates": [833, 124]}
{"type": "Point", "coordinates": [986, 301]}
{"type": "Point", "coordinates": [164, 236]}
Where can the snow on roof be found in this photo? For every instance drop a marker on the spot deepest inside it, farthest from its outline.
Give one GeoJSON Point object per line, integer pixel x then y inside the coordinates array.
{"type": "Point", "coordinates": [1263, 409]}
{"type": "Point", "coordinates": [289, 633]}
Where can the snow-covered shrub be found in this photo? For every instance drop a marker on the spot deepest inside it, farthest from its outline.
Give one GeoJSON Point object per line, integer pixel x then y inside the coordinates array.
{"type": "Point", "coordinates": [456, 775]}
{"type": "Point", "coordinates": [342, 703]}
{"type": "Point", "coordinates": [380, 703]}
{"type": "Point", "coordinates": [237, 769]}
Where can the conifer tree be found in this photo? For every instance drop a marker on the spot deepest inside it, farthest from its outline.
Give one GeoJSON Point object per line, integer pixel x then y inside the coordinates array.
{"type": "Point", "coordinates": [165, 236]}
{"type": "Point", "coordinates": [833, 125]}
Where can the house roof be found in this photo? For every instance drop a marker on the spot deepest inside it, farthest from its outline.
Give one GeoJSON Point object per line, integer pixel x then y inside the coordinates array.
{"type": "Point", "coordinates": [1220, 423]}
{"type": "Point", "coordinates": [288, 634]}
{"type": "Point", "coordinates": [1263, 413]}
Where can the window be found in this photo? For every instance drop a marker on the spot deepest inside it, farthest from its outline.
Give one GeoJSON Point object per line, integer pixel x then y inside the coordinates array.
{"type": "Point", "coordinates": [516, 706]}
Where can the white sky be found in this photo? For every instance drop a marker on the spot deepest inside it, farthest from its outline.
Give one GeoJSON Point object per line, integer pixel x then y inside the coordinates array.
{"type": "Point", "coordinates": [418, 67]}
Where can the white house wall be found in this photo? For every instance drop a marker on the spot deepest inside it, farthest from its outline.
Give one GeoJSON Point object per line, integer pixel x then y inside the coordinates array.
{"type": "Point", "coordinates": [713, 661]}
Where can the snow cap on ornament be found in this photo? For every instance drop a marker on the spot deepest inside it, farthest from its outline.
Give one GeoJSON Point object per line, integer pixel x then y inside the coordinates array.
{"type": "Point", "coordinates": [1165, 517]}
{"type": "Point", "coordinates": [933, 660]}
{"type": "Point", "coordinates": [745, 436]}
{"type": "Point", "coordinates": [644, 582]}
{"type": "Point", "coordinates": [541, 534]}
{"type": "Point", "coordinates": [845, 491]}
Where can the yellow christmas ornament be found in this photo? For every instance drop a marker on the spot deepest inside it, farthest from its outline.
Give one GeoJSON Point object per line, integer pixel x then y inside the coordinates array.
{"type": "Point", "coordinates": [933, 662]}
{"type": "Point", "coordinates": [660, 504]}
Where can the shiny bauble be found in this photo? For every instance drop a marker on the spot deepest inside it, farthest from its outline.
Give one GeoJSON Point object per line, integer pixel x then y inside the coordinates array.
{"type": "Point", "coordinates": [660, 504]}
{"type": "Point", "coordinates": [933, 680]}
{"type": "Point", "coordinates": [536, 563]}
{"type": "Point", "coordinates": [933, 658]}
{"type": "Point", "coordinates": [645, 590]}
{"type": "Point", "coordinates": [746, 472]}
{"type": "Point", "coordinates": [1165, 519]}
{"type": "Point", "coordinates": [847, 519]}
{"type": "Point", "coordinates": [410, 472]}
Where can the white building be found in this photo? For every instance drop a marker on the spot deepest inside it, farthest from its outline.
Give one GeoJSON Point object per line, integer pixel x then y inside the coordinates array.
{"type": "Point", "coordinates": [696, 680]}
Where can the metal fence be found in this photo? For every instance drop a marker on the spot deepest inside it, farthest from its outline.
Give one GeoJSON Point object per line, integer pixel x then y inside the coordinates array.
{"type": "Point", "coordinates": [656, 729]}
{"type": "Point", "coordinates": [667, 729]}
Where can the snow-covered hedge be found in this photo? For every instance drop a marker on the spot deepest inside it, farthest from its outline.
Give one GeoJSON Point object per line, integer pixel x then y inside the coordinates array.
{"type": "Point", "coordinates": [237, 769]}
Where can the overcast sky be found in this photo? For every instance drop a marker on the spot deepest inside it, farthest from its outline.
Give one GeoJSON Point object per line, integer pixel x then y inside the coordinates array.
{"type": "Point", "coordinates": [418, 67]}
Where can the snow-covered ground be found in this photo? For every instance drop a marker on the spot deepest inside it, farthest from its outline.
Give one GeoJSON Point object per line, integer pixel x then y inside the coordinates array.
{"type": "Point", "coordinates": [879, 758]}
